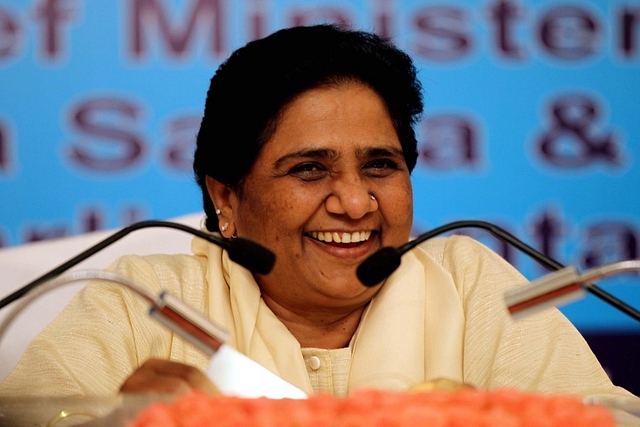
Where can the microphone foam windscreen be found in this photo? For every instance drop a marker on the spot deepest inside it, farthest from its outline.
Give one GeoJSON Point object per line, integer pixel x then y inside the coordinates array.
{"type": "Point", "coordinates": [251, 255]}
{"type": "Point", "coordinates": [378, 266]}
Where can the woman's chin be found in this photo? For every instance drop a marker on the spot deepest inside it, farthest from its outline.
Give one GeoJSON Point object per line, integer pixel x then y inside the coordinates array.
{"type": "Point", "coordinates": [348, 292]}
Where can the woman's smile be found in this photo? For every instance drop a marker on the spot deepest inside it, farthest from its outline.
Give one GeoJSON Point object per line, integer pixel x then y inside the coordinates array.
{"type": "Point", "coordinates": [341, 236]}
{"type": "Point", "coordinates": [344, 245]}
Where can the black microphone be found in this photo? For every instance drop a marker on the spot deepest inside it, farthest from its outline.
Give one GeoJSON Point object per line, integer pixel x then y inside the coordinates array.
{"type": "Point", "coordinates": [247, 253]}
{"type": "Point", "coordinates": [381, 264]}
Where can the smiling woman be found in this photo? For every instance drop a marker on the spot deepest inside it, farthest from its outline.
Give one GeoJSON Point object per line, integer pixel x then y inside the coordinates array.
{"type": "Point", "coordinates": [306, 147]}
{"type": "Point", "coordinates": [334, 147]}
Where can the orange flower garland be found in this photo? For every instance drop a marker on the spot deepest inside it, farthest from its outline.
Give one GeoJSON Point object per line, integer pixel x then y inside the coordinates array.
{"type": "Point", "coordinates": [466, 408]}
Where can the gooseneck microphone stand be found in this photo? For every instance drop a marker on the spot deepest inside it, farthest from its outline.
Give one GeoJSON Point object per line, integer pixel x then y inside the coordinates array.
{"type": "Point", "coordinates": [245, 252]}
{"type": "Point", "coordinates": [382, 263]}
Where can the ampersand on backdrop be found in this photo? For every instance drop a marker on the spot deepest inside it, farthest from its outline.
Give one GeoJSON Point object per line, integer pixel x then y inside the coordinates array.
{"type": "Point", "coordinates": [573, 140]}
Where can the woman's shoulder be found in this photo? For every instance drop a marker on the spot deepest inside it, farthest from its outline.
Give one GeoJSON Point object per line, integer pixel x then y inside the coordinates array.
{"type": "Point", "coordinates": [179, 263]}
{"type": "Point", "coordinates": [470, 262]}
{"type": "Point", "coordinates": [170, 272]}
{"type": "Point", "coordinates": [454, 247]}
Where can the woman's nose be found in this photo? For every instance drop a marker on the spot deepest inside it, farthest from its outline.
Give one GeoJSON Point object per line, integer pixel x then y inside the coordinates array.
{"type": "Point", "coordinates": [351, 198]}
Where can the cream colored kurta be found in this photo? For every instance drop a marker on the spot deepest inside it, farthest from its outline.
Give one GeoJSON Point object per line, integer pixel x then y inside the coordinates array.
{"type": "Point", "coordinates": [440, 314]}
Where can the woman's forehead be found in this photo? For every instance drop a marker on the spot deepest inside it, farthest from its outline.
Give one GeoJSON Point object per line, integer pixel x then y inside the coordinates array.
{"type": "Point", "coordinates": [318, 115]}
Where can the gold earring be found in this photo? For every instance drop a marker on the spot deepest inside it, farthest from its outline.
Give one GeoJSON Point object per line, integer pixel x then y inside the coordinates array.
{"type": "Point", "coordinates": [224, 227]}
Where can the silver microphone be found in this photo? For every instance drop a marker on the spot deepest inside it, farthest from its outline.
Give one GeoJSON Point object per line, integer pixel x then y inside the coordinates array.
{"type": "Point", "coordinates": [560, 287]}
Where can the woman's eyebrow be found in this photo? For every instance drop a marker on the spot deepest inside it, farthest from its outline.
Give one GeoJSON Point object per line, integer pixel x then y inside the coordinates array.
{"type": "Point", "coordinates": [316, 153]}
{"type": "Point", "coordinates": [369, 152]}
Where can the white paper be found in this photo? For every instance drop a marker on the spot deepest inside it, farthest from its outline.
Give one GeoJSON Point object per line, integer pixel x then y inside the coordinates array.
{"type": "Point", "coordinates": [237, 375]}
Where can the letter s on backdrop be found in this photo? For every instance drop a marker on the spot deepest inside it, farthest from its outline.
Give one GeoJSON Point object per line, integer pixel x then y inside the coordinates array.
{"type": "Point", "coordinates": [109, 142]}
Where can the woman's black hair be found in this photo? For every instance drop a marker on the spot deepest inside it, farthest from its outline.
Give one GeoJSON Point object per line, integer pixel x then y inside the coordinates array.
{"type": "Point", "coordinates": [251, 88]}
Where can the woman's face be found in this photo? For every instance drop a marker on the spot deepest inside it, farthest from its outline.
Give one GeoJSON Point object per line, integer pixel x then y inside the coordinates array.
{"type": "Point", "coordinates": [308, 197]}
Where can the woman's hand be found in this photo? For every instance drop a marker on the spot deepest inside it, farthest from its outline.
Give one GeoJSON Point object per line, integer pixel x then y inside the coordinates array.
{"type": "Point", "coordinates": [166, 377]}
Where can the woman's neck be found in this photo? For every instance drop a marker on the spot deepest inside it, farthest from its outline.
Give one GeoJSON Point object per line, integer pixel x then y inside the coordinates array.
{"type": "Point", "coordinates": [319, 329]}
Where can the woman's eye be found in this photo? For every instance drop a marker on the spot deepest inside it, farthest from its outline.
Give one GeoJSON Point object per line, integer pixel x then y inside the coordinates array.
{"type": "Point", "coordinates": [381, 167]}
{"type": "Point", "coordinates": [308, 171]}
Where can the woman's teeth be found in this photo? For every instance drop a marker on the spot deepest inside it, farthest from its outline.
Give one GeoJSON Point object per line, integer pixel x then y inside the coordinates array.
{"type": "Point", "coordinates": [332, 236]}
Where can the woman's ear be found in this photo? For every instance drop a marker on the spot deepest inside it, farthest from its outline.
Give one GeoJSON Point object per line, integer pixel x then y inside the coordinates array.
{"type": "Point", "coordinates": [221, 195]}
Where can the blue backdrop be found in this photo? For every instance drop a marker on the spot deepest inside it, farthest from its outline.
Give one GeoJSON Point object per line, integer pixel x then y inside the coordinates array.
{"type": "Point", "coordinates": [531, 119]}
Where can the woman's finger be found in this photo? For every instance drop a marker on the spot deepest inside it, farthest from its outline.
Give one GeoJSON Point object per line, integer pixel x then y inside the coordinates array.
{"type": "Point", "coordinates": [164, 376]}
